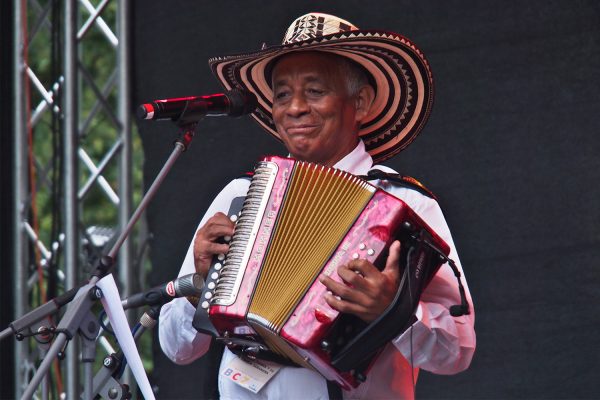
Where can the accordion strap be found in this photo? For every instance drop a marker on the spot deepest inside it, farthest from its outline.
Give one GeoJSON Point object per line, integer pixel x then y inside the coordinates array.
{"type": "Point", "coordinates": [265, 355]}
{"type": "Point", "coordinates": [401, 180]}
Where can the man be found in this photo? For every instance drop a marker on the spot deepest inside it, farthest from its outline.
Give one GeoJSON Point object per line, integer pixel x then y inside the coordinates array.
{"type": "Point", "coordinates": [331, 93]}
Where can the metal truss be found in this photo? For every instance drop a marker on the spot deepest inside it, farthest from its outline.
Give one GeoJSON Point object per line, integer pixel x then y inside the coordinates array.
{"type": "Point", "coordinates": [73, 149]}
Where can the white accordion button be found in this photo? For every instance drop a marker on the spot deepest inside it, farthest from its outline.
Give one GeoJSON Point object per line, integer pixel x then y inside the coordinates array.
{"type": "Point", "coordinates": [211, 285]}
{"type": "Point", "coordinates": [218, 266]}
{"type": "Point", "coordinates": [370, 252]}
{"type": "Point", "coordinates": [227, 238]}
{"type": "Point", "coordinates": [233, 218]}
{"type": "Point", "coordinates": [214, 275]}
{"type": "Point", "coordinates": [208, 295]}
{"type": "Point", "coordinates": [205, 304]}
{"type": "Point", "coordinates": [355, 256]}
{"type": "Point", "coordinates": [221, 257]}
{"type": "Point", "coordinates": [362, 246]}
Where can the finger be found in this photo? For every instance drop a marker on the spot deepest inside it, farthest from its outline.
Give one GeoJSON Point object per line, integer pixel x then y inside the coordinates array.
{"type": "Point", "coordinates": [205, 248]}
{"type": "Point", "coordinates": [352, 277]}
{"type": "Point", "coordinates": [347, 307]}
{"type": "Point", "coordinates": [217, 226]}
{"type": "Point", "coordinates": [343, 291]}
{"type": "Point", "coordinates": [213, 233]}
{"type": "Point", "coordinates": [392, 264]}
{"type": "Point", "coordinates": [212, 248]}
{"type": "Point", "coordinates": [363, 267]}
{"type": "Point", "coordinates": [362, 275]}
{"type": "Point", "coordinates": [204, 253]}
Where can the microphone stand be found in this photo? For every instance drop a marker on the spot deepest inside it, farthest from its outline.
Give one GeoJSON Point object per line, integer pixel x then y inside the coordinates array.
{"type": "Point", "coordinates": [78, 311]}
{"type": "Point", "coordinates": [106, 382]}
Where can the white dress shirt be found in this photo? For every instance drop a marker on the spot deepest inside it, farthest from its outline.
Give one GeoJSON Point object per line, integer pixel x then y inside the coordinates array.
{"type": "Point", "coordinates": [437, 342]}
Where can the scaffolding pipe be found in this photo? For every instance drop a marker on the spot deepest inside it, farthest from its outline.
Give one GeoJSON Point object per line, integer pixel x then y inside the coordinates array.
{"type": "Point", "coordinates": [70, 174]}
{"type": "Point", "coordinates": [19, 193]}
{"type": "Point", "coordinates": [125, 190]}
{"type": "Point", "coordinates": [124, 106]}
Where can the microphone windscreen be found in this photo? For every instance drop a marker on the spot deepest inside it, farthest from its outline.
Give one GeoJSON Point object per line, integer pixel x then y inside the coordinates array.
{"type": "Point", "coordinates": [241, 102]}
{"type": "Point", "coordinates": [189, 285]}
{"type": "Point", "coordinates": [145, 111]}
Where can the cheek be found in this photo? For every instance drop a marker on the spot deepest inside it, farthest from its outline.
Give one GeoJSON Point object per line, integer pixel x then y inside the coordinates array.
{"type": "Point", "coordinates": [333, 118]}
{"type": "Point", "coordinates": [276, 112]}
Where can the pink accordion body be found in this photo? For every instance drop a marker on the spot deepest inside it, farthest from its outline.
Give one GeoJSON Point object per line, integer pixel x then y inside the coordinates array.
{"type": "Point", "coordinates": [242, 307]}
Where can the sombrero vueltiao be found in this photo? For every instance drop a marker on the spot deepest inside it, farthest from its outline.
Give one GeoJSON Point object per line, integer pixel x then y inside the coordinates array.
{"type": "Point", "coordinates": [399, 71]}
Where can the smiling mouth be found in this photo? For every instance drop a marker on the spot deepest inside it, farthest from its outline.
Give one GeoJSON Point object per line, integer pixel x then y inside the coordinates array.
{"type": "Point", "coordinates": [300, 129]}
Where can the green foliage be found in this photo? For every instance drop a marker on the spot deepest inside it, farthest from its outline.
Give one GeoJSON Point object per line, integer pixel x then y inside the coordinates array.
{"type": "Point", "coordinates": [99, 132]}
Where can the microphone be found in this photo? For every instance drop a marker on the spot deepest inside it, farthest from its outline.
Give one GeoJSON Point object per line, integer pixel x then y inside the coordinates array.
{"type": "Point", "coordinates": [233, 103]}
{"type": "Point", "coordinates": [188, 285]}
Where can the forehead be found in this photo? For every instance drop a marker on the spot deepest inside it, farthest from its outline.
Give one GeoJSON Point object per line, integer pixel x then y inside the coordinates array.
{"type": "Point", "coordinates": [309, 65]}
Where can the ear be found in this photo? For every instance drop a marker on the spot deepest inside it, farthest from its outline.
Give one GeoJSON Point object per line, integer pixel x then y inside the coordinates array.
{"type": "Point", "coordinates": [364, 100]}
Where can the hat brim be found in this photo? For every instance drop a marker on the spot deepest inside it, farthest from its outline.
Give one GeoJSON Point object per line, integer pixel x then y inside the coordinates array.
{"type": "Point", "coordinates": [400, 73]}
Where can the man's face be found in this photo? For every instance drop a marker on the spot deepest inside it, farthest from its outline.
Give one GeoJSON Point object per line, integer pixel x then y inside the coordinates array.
{"type": "Point", "coordinates": [313, 113]}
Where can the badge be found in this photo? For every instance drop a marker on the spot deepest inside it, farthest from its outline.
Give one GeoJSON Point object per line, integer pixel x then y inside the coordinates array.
{"type": "Point", "coordinates": [250, 375]}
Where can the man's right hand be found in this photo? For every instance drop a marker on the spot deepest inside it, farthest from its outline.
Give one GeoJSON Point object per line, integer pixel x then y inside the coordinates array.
{"type": "Point", "coordinates": [205, 242]}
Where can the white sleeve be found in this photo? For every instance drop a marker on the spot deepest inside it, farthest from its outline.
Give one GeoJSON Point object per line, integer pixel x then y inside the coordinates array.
{"type": "Point", "coordinates": [439, 342]}
{"type": "Point", "coordinates": [180, 342]}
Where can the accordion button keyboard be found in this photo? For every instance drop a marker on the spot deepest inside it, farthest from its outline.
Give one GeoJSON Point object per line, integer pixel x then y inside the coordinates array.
{"type": "Point", "coordinates": [370, 252]}
{"type": "Point", "coordinates": [362, 246]}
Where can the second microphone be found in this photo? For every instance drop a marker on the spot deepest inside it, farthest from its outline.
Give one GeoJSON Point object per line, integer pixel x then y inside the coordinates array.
{"type": "Point", "coordinates": [187, 285]}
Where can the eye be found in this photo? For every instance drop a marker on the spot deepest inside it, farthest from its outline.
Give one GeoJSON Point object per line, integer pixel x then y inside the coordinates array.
{"type": "Point", "coordinates": [315, 91]}
{"type": "Point", "coordinates": [282, 95]}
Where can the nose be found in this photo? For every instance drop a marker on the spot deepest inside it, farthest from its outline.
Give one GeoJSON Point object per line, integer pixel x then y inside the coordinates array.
{"type": "Point", "coordinates": [297, 106]}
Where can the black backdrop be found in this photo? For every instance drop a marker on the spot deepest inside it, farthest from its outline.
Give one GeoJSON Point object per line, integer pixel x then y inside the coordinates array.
{"type": "Point", "coordinates": [511, 149]}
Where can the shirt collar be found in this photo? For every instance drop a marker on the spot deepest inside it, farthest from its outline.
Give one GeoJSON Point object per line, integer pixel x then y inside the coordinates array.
{"type": "Point", "coordinates": [357, 162]}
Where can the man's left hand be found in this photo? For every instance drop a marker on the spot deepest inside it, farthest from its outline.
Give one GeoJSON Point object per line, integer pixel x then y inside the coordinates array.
{"type": "Point", "coordinates": [365, 292]}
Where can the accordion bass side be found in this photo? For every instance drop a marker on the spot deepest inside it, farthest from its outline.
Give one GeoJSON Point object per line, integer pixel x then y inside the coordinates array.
{"type": "Point", "coordinates": [300, 221]}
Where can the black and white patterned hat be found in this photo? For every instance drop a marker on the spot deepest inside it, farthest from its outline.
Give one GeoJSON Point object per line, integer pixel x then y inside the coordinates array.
{"type": "Point", "coordinates": [399, 71]}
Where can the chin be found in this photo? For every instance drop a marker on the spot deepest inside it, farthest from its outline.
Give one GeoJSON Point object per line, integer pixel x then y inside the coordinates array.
{"type": "Point", "coordinates": [300, 152]}
{"type": "Point", "coordinates": [302, 156]}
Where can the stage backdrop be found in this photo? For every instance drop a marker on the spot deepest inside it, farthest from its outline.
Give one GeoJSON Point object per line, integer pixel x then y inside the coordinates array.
{"type": "Point", "coordinates": [511, 149]}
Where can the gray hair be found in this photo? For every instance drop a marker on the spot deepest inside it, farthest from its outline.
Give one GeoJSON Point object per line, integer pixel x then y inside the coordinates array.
{"type": "Point", "coordinates": [355, 75]}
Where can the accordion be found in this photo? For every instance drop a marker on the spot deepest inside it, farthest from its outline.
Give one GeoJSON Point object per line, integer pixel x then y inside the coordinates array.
{"type": "Point", "coordinates": [297, 222]}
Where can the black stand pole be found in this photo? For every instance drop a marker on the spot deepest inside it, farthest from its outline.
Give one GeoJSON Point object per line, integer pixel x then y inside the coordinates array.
{"type": "Point", "coordinates": [106, 382]}
{"type": "Point", "coordinates": [80, 306]}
